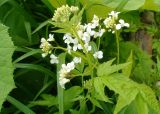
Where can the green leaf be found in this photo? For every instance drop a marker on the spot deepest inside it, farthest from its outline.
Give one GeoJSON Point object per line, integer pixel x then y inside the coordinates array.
{"type": "Point", "coordinates": [128, 90]}
{"type": "Point", "coordinates": [95, 7]}
{"type": "Point", "coordinates": [106, 68]}
{"type": "Point", "coordinates": [99, 88]}
{"type": "Point", "coordinates": [151, 5]}
{"type": "Point", "coordinates": [57, 3]}
{"type": "Point", "coordinates": [11, 13]}
{"type": "Point", "coordinates": [71, 95]}
{"type": "Point", "coordinates": [127, 70]}
{"type": "Point", "coordinates": [126, 4]}
{"type": "Point", "coordinates": [6, 66]}
{"type": "Point", "coordinates": [142, 107]}
{"type": "Point", "coordinates": [95, 102]}
{"type": "Point", "coordinates": [48, 100]}
{"type": "Point", "coordinates": [142, 65]}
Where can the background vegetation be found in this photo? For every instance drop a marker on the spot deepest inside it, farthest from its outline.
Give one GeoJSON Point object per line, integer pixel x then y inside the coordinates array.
{"type": "Point", "coordinates": [28, 82]}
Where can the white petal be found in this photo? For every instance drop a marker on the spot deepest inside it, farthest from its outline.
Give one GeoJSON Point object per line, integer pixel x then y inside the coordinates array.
{"type": "Point", "coordinates": [77, 60]}
{"type": "Point", "coordinates": [121, 21]}
{"type": "Point", "coordinates": [43, 40]}
{"type": "Point", "coordinates": [63, 81]}
{"type": "Point", "coordinates": [126, 25]}
{"type": "Point", "coordinates": [44, 55]}
{"type": "Point", "coordinates": [118, 26]}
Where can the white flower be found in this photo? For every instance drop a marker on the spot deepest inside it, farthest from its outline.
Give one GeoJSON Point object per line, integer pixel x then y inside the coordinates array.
{"type": "Point", "coordinates": [51, 37]}
{"type": "Point", "coordinates": [109, 22]}
{"type": "Point", "coordinates": [87, 47]}
{"type": "Point", "coordinates": [121, 24]}
{"type": "Point", "coordinates": [86, 37]}
{"type": "Point", "coordinates": [76, 45]}
{"type": "Point", "coordinates": [63, 81]}
{"type": "Point", "coordinates": [64, 72]}
{"type": "Point", "coordinates": [44, 55]}
{"type": "Point", "coordinates": [54, 59]}
{"type": "Point", "coordinates": [77, 59]}
{"type": "Point", "coordinates": [68, 38]}
{"type": "Point", "coordinates": [95, 21]}
{"type": "Point", "coordinates": [70, 66]}
{"type": "Point", "coordinates": [114, 14]}
{"type": "Point", "coordinates": [99, 33]}
{"type": "Point", "coordinates": [46, 47]}
{"type": "Point", "coordinates": [98, 54]}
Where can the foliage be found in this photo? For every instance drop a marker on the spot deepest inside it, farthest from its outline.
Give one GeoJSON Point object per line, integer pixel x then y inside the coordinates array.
{"type": "Point", "coordinates": [108, 73]}
{"type": "Point", "coordinates": [6, 66]}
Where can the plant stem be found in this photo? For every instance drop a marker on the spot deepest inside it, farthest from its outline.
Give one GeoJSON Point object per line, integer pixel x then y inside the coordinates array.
{"type": "Point", "coordinates": [117, 42]}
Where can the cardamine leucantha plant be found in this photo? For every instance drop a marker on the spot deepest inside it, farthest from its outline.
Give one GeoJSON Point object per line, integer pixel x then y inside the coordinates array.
{"type": "Point", "coordinates": [103, 86]}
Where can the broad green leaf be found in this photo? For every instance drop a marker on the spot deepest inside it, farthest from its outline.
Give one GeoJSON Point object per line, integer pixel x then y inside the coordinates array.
{"type": "Point", "coordinates": [127, 70]}
{"type": "Point", "coordinates": [127, 4]}
{"type": "Point", "coordinates": [106, 68]}
{"type": "Point", "coordinates": [57, 3]}
{"type": "Point", "coordinates": [71, 95]}
{"type": "Point", "coordinates": [95, 102]}
{"type": "Point", "coordinates": [96, 7]}
{"type": "Point", "coordinates": [142, 62]}
{"type": "Point", "coordinates": [128, 90]}
{"type": "Point", "coordinates": [99, 88]}
{"type": "Point", "coordinates": [142, 107]}
{"type": "Point", "coordinates": [151, 5]}
{"type": "Point", "coordinates": [6, 66]}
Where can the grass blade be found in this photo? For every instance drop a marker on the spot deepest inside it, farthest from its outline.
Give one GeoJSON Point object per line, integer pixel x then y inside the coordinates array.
{"type": "Point", "coordinates": [19, 105]}
{"type": "Point", "coordinates": [35, 67]}
{"type": "Point", "coordinates": [32, 52]}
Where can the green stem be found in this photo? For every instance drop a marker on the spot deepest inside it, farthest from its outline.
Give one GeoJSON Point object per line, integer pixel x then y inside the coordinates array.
{"type": "Point", "coordinates": [117, 42]}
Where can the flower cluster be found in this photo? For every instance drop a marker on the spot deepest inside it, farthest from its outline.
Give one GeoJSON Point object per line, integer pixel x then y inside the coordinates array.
{"type": "Point", "coordinates": [111, 22]}
{"type": "Point", "coordinates": [64, 73]}
{"type": "Point", "coordinates": [46, 46]}
{"type": "Point", "coordinates": [63, 13]}
{"type": "Point", "coordinates": [85, 33]}
{"type": "Point", "coordinates": [80, 38]}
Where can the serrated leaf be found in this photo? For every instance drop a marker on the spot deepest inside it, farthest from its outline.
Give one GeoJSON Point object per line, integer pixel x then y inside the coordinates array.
{"type": "Point", "coordinates": [128, 90]}
{"type": "Point", "coordinates": [95, 102]}
{"type": "Point", "coordinates": [142, 62]}
{"type": "Point", "coordinates": [99, 88]}
{"type": "Point", "coordinates": [127, 70]}
{"type": "Point", "coordinates": [107, 69]}
{"type": "Point", "coordinates": [6, 66]}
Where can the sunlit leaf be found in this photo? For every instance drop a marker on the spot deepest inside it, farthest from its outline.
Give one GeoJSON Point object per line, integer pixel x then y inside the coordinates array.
{"type": "Point", "coordinates": [6, 66]}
